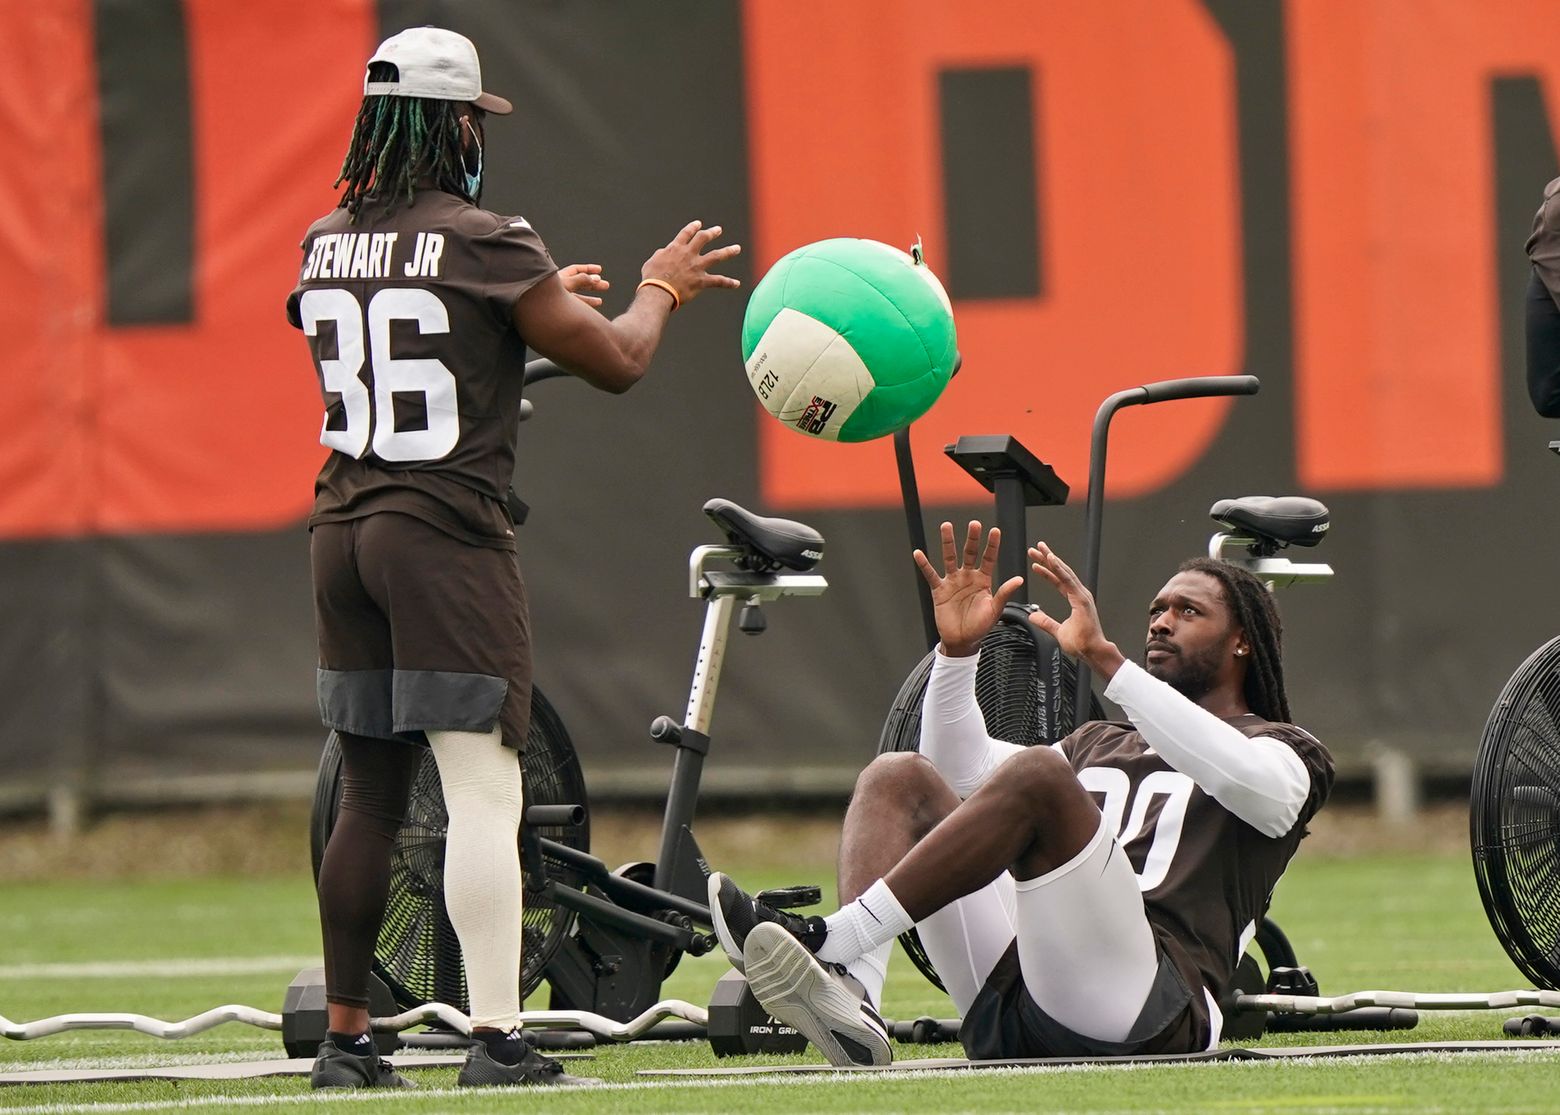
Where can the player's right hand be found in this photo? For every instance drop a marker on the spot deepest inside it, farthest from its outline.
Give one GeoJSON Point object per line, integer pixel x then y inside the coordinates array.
{"type": "Point", "coordinates": [686, 265]}
{"type": "Point", "coordinates": [965, 606]}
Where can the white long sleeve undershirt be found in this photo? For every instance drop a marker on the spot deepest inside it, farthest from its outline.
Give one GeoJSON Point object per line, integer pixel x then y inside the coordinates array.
{"type": "Point", "coordinates": [1261, 780]}
{"type": "Point", "coordinates": [953, 730]}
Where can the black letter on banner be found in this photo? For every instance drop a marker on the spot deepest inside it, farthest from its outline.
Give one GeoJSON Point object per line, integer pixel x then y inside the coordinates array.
{"type": "Point", "coordinates": [148, 174]}
{"type": "Point", "coordinates": [989, 191]}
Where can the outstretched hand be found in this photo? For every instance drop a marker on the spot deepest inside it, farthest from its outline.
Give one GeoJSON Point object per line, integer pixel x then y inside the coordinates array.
{"type": "Point", "coordinates": [966, 607]}
{"type": "Point", "coordinates": [1080, 634]}
{"type": "Point", "coordinates": [582, 280]}
{"type": "Point", "coordinates": [685, 264]}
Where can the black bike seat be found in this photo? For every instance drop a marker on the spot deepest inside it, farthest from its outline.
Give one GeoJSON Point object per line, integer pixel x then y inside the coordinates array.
{"type": "Point", "coordinates": [778, 543]}
{"type": "Point", "coordinates": [1291, 520]}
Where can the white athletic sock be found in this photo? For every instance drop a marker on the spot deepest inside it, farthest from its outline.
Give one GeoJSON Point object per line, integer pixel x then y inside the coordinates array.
{"type": "Point", "coordinates": [481, 782]}
{"type": "Point", "coordinates": [871, 971]}
{"type": "Point", "coordinates": [874, 919]}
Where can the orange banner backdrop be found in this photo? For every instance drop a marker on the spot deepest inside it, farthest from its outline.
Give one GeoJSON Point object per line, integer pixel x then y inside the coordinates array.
{"type": "Point", "coordinates": [1137, 170]}
{"type": "Point", "coordinates": [195, 427]}
{"type": "Point", "coordinates": [208, 425]}
{"type": "Point", "coordinates": [1398, 362]}
{"type": "Point", "coordinates": [51, 259]}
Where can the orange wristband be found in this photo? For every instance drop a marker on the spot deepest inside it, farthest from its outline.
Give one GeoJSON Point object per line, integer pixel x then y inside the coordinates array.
{"type": "Point", "coordinates": [666, 286]}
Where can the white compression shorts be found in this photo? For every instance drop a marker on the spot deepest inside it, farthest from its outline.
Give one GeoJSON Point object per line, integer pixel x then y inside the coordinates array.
{"type": "Point", "coordinates": [1084, 944]}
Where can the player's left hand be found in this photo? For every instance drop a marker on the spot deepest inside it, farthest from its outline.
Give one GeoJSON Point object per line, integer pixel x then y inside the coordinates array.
{"type": "Point", "coordinates": [1080, 634]}
{"type": "Point", "coordinates": [582, 280]}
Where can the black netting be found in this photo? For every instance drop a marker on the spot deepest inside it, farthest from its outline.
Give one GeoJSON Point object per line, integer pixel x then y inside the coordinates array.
{"type": "Point", "coordinates": [1514, 817]}
{"type": "Point", "coordinates": [418, 955]}
{"type": "Point", "coordinates": [1025, 691]}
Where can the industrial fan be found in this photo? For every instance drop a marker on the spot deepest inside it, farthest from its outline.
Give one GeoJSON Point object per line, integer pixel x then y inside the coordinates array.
{"type": "Point", "coordinates": [1514, 817]}
{"type": "Point", "coordinates": [417, 955]}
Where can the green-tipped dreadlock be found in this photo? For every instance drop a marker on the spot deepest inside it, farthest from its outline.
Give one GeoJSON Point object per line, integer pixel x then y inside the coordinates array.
{"type": "Point", "coordinates": [397, 143]}
{"type": "Point", "coordinates": [1256, 615]}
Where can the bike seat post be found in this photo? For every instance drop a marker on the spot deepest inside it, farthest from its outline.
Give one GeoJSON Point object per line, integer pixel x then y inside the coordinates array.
{"type": "Point", "coordinates": [693, 741]}
{"type": "Point", "coordinates": [723, 591]}
{"type": "Point", "coordinates": [1017, 480]}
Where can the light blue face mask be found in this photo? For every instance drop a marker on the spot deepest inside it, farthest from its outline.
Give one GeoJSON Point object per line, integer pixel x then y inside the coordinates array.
{"type": "Point", "coordinates": [473, 181]}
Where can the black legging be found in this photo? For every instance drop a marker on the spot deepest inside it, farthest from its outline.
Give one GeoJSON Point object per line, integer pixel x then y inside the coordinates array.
{"type": "Point", "coordinates": [1543, 349]}
{"type": "Point", "coordinates": [354, 882]}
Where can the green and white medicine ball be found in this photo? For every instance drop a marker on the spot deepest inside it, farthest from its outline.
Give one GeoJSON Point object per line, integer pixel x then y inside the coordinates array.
{"type": "Point", "coordinates": [848, 340]}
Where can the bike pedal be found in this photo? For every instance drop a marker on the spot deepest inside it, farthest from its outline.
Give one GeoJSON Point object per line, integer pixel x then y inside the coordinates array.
{"type": "Point", "coordinates": [790, 898]}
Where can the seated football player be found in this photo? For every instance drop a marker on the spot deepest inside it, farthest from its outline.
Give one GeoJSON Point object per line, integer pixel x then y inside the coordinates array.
{"type": "Point", "coordinates": [1088, 898]}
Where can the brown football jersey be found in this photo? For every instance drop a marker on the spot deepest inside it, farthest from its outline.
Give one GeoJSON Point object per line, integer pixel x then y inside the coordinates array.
{"type": "Point", "coordinates": [1543, 243]}
{"type": "Point", "coordinates": [409, 317]}
{"type": "Point", "coordinates": [1207, 876]}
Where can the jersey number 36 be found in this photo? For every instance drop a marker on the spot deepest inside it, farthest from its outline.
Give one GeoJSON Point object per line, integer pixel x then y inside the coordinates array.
{"type": "Point", "coordinates": [373, 415]}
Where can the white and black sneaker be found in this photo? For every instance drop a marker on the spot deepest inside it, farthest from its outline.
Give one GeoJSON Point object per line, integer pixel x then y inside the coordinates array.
{"type": "Point", "coordinates": [734, 913]}
{"type": "Point", "coordinates": [819, 1000]}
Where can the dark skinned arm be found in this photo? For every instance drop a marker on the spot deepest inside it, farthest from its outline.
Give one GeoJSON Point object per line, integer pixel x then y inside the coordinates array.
{"type": "Point", "coordinates": [614, 354]}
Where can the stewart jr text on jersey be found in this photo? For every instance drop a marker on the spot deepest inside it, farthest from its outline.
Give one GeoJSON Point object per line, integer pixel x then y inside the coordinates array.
{"type": "Point", "coordinates": [410, 319]}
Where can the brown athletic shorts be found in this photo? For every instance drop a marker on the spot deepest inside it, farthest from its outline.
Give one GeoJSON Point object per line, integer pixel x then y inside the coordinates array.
{"type": "Point", "coordinates": [418, 630]}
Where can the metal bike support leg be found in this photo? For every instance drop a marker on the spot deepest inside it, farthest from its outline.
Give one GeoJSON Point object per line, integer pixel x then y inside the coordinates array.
{"type": "Point", "coordinates": [910, 496]}
{"type": "Point", "coordinates": [692, 740]}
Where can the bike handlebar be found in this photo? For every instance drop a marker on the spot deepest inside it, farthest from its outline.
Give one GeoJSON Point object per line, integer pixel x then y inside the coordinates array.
{"type": "Point", "coordinates": [1199, 387]}
{"type": "Point", "coordinates": [538, 370]}
{"type": "Point", "coordinates": [1196, 387]}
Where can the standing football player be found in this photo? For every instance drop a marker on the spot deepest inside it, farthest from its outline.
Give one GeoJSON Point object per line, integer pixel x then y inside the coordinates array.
{"type": "Point", "coordinates": [1089, 898]}
{"type": "Point", "coordinates": [1543, 305]}
{"type": "Point", "coordinates": [419, 306]}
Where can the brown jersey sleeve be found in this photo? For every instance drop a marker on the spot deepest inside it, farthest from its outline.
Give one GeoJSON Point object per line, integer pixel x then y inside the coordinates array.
{"type": "Point", "coordinates": [294, 317]}
{"type": "Point", "coordinates": [516, 260]}
{"type": "Point", "coordinates": [1318, 764]}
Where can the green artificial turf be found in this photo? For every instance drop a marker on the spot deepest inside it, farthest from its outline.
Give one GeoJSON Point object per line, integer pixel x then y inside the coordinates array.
{"type": "Point", "coordinates": [1400, 922]}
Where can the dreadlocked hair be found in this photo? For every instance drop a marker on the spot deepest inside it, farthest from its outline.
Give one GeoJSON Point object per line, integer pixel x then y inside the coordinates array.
{"type": "Point", "coordinates": [398, 142]}
{"type": "Point", "coordinates": [1257, 615]}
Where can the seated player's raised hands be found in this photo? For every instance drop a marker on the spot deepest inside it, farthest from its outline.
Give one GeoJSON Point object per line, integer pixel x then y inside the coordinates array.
{"type": "Point", "coordinates": [965, 605]}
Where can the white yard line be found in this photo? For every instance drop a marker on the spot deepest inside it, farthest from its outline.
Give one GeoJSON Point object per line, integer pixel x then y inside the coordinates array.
{"type": "Point", "coordinates": [797, 1080]}
{"type": "Point", "coordinates": [161, 969]}
{"type": "Point", "coordinates": [379, 1096]}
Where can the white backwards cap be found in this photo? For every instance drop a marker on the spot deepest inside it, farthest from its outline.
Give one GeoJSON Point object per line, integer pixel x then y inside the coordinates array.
{"type": "Point", "coordinates": [435, 63]}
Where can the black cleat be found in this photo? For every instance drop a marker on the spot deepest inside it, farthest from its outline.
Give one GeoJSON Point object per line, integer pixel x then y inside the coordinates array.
{"type": "Point", "coordinates": [534, 1070]}
{"type": "Point", "coordinates": [819, 1000]}
{"type": "Point", "coordinates": [734, 913]}
{"type": "Point", "coordinates": [336, 1068]}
